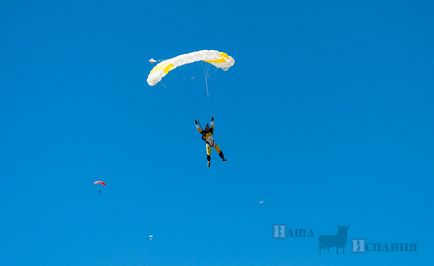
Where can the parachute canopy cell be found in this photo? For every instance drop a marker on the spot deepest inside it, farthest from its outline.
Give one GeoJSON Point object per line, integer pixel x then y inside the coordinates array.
{"type": "Point", "coordinates": [218, 59]}
{"type": "Point", "coordinates": [99, 182]}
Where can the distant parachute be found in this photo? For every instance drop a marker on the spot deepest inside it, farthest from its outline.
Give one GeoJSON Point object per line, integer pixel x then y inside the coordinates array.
{"type": "Point", "coordinates": [99, 182]}
{"type": "Point", "coordinates": [218, 59]}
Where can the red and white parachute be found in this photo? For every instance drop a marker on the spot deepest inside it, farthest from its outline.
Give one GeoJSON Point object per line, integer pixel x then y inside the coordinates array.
{"type": "Point", "coordinates": [99, 182]}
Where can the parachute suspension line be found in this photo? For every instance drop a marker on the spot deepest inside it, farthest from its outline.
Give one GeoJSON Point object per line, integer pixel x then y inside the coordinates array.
{"type": "Point", "coordinates": [207, 75]}
{"type": "Point", "coordinates": [182, 74]}
{"type": "Point", "coordinates": [206, 70]}
{"type": "Point", "coordinates": [166, 88]}
{"type": "Point", "coordinates": [212, 72]}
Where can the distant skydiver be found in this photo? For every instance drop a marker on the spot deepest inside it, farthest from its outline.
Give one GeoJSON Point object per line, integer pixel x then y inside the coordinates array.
{"type": "Point", "coordinates": [207, 136]}
{"type": "Point", "coordinates": [99, 183]}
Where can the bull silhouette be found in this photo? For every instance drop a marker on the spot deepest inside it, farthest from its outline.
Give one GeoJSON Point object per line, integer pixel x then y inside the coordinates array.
{"type": "Point", "coordinates": [337, 240]}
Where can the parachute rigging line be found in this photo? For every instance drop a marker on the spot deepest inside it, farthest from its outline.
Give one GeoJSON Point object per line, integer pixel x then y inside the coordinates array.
{"type": "Point", "coordinates": [206, 80]}
{"type": "Point", "coordinates": [207, 75]}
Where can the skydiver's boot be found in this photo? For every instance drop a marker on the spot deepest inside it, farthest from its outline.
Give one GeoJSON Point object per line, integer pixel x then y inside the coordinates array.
{"type": "Point", "coordinates": [222, 156]}
{"type": "Point", "coordinates": [208, 158]}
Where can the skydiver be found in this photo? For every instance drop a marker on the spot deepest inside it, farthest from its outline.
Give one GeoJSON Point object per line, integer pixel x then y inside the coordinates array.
{"type": "Point", "coordinates": [207, 136]}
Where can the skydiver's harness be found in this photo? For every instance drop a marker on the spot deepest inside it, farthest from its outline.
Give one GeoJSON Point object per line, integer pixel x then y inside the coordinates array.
{"type": "Point", "coordinates": [204, 133]}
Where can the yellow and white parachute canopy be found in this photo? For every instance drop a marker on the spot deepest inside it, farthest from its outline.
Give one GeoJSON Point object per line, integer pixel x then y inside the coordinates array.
{"type": "Point", "coordinates": [216, 58]}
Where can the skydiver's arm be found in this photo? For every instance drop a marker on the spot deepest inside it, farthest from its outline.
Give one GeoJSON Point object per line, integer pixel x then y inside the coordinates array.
{"type": "Point", "coordinates": [199, 129]}
{"type": "Point", "coordinates": [212, 122]}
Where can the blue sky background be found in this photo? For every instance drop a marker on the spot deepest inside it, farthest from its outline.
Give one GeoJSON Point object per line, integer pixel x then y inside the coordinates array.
{"type": "Point", "coordinates": [327, 116]}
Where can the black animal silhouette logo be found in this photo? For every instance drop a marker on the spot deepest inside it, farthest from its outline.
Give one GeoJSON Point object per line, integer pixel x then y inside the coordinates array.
{"type": "Point", "coordinates": [338, 240]}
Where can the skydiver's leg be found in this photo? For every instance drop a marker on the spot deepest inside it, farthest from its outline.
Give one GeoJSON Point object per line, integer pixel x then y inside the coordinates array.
{"type": "Point", "coordinates": [219, 151]}
{"type": "Point", "coordinates": [208, 154]}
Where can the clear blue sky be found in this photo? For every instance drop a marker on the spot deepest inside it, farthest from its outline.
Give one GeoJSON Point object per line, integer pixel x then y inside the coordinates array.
{"type": "Point", "coordinates": [327, 116]}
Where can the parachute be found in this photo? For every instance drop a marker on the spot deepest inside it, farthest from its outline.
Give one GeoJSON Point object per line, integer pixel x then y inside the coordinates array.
{"type": "Point", "coordinates": [99, 182]}
{"type": "Point", "coordinates": [218, 59]}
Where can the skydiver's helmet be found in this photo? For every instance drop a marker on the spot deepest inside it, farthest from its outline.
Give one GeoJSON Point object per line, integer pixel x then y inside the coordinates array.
{"type": "Point", "coordinates": [207, 127]}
